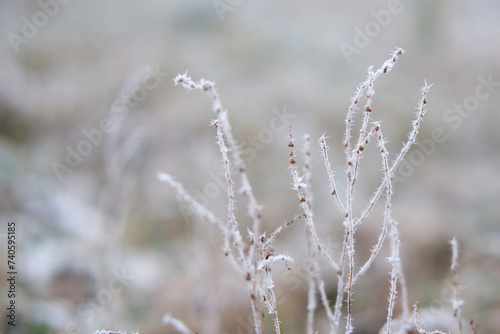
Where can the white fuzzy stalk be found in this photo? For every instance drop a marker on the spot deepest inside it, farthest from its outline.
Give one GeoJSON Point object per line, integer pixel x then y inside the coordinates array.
{"type": "Point", "coordinates": [457, 303]}
{"type": "Point", "coordinates": [177, 324]}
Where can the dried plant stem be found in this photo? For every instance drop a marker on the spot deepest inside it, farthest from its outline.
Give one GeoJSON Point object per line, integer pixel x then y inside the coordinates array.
{"type": "Point", "coordinates": [353, 156]}
{"type": "Point", "coordinates": [417, 324]}
{"type": "Point", "coordinates": [387, 211]}
{"type": "Point", "coordinates": [324, 148]}
{"type": "Point", "coordinates": [394, 260]}
{"type": "Point", "coordinates": [312, 303]}
{"type": "Point", "coordinates": [340, 289]}
{"type": "Point", "coordinates": [313, 277]}
{"type": "Point", "coordinates": [177, 324]}
{"type": "Point", "coordinates": [255, 248]}
{"type": "Point", "coordinates": [404, 293]}
{"type": "Point", "coordinates": [253, 259]}
{"type": "Point", "coordinates": [353, 160]}
{"type": "Point", "coordinates": [194, 206]}
{"type": "Point", "coordinates": [246, 189]}
{"type": "Point", "coordinates": [300, 186]}
{"type": "Point", "coordinates": [350, 255]}
{"type": "Point", "coordinates": [271, 302]}
{"type": "Point", "coordinates": [412, 137]}
{"type": "Point", "coordinates": [398, 267]}
{"type": "Point", "coordinates": [457, 302]}
{"type": "Point", "coordinates": [279, 230]}
{"type": "Point", "coordinates": [352, 175]}
{"type": "Point", "coordinates": [232, 234]}
{"type": "Point", "coordinates": [353, 165]}
{"type": "Point", "coordinates": [385, 68]}
{"type": "Point", "coordinates": [315, 246]}
{"type": "Point", "coordinates": [255, 309]}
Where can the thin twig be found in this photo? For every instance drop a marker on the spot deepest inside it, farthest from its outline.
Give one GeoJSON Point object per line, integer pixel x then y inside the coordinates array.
{"type": "Point", "coordinates": [412, 137]}
{"type": "Point", "coordinates": [233, 234]}
{"type": "Point", "coordinates": [387, 211]}
{"type": "Point", "coordinates": [177, 324]}
{"type": "Point", "coordinates": [209, 88]}
{"type": "Point", "coordinates": [416, 322]}
{"type": "Point", "coordinates": [331, 176]}
{"type": "Point", "coordinates": [279, 230]}
{"type": "Point", "coordinates": [313, 240]}
{"type": "Point", "coordinates": [394, 260]}
{"type": "Point", "coordinates": [385, 68]}
{"type": "Point", "coordinates": [254, 209]}
{"type": "Point", "coordinates": [457, 302]}
{"type": "Point", "coordinates": [312, 271]}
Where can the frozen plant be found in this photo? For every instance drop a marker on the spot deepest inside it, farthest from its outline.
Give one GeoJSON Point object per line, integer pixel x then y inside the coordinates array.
{"type": "Point", "coordinates": [252, 258]}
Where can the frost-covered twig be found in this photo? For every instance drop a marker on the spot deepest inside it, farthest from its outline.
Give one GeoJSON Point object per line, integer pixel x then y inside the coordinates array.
{"type": "Point", "coordinates": [353, 165]}
{"type": "Point", "coordinates": [194, 205]}
{"type": "Point", "coordinates": [353, 156]}
{"type": "Point", "coordinates": [312, 301]}
{"type": "Point", "coordinates": [254, 259]}
{"type": "Point", "coordinates": [278, 231]}
{"type": "Point", "coordinates": [394, 260]}
{"type": "Point", "coordinates": [177, 324]}
{"type": "Point", "coordinates": [313, 241]}
{"type": "Point", "coordinates": [307, 169]}
{"type": "Point", "coordinates": [269, 299]}
{"type": "Point", "coordinates": [254, 209]}
{"type": "Point", "coordinates": [269, 296]}
{"type": "Point", "coordinates": [352, 170]}
{"type": "Point", "coordinates": [312, 277]}
{"type": "Point", "coordinates": [198, 209]}
{"type": "Point", "coordinates": [331, 176]}
{"type": "Point", "coordinates": [246, 189]}
{"type": "Point", "coordinates": [387, 212]}
{"type": "Point", "coordinates": [299, 186]}
{"type": "Point", "coordinates": [385, 68]}
{"type": "Point", "coordinates": [417, 324]}
{"type": "Point", "coordinates": [232, 234]}
{"type": "Point", "coordinates": [402, 279]}
{"type": "Point", "coordinates": [412, 137]}
{"type": "Point", "coordinates": [457, 303]}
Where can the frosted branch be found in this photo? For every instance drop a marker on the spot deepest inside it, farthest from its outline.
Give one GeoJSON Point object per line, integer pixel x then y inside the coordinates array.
{"type": "Point", "coordinates": [416, 322]}
{"type": "Point", "coordinates": [177, 324]}
{"type": "Point", "coordinates": [312, 237]}
{"type": "Point", "coordinates": [209, 88]}
{"type": "Point", "coordinates": [385, 68]}
{"type": "Point", "coordinates": [194, 205]}
{"type": "Point", "coordinates": [457, 303]}
{"type": "Point", "coordinates": [387, 211]}
{"type": "Point", "coordinates": [331, 176]}
{"type": "Point", "coordinates": [412, 137]}
{"type": "Point", "coordinates": [394, 260]}
{"type": "Point", "coordinates": [278, 231]}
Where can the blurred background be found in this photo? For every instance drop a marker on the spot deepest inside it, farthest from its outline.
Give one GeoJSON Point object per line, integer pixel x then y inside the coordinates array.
{"type": "Point", "coordinates": [89, 114]}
